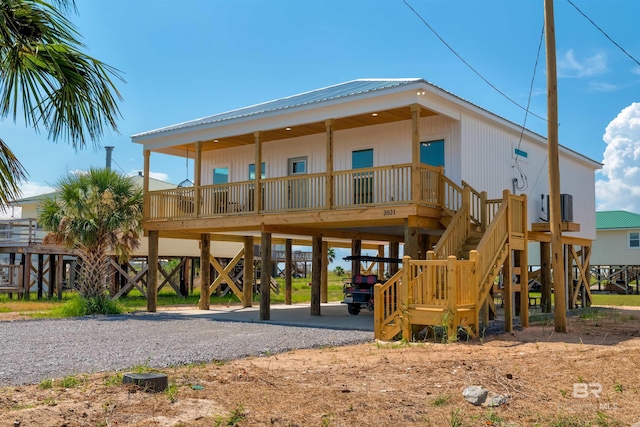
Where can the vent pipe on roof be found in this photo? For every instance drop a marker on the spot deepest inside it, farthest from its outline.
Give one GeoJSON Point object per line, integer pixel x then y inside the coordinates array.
{"type": "Point", "coordinates": [109, 150]}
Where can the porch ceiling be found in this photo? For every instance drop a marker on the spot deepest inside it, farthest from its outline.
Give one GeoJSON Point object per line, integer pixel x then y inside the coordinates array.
{"type": "Point", "coordinates": [360, 120]}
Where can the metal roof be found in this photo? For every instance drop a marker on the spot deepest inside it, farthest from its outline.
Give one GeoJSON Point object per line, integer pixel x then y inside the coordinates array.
{"type": "Point", "coordinates": [616, 219]}
{"type": "Point", "coordinates": [354, 87]}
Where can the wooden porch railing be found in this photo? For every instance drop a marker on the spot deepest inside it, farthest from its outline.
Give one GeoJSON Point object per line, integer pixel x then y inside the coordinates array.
{"type": "Point", "coordinates": [372, 186]}
{"type": "Point", "coordinates": [21, 231]}
{"type": "Point", "coordinates": [226, 198]}
{"type": "Point", "coordinates": [385, 185]}
{"type": "Point", "coordinates": [11, 279]}
{"type": "Point", "coordinates": [294, 193]}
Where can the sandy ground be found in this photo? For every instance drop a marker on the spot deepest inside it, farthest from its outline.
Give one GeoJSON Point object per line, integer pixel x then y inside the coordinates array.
{"type": "Point", "coordinates": [588, 376]}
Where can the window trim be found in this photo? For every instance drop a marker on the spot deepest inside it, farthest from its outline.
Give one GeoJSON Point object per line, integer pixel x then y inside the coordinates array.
{"type": "Point", "coordinates": [635, 239]}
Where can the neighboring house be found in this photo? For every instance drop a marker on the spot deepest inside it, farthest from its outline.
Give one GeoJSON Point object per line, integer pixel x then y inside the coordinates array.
{"type": "Point", "coordinates": [615, 256]}
{"type": "Point", "coordinates": [25, 230]}
{"type": "Point", "coordinates": [21, 245]}
{"type": "Point", "coordinates": [384, 161]}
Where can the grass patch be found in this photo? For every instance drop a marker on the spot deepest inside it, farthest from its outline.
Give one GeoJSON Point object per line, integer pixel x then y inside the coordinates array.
{"type": "Point", "coordinates": [70, 381]}
{"type": "Point", "coordinates": [441, 400]}
{"type": "Point", "coordinates": [77, 306]}
{"type": "Point", "coordinates": [615, 299]}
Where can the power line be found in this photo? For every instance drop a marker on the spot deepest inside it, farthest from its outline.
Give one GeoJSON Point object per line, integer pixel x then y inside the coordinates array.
{"type": "Point", "coordinates": [526, 114]}
{"type": "Point", "coordinates": [603, 32]}
{"type": "Point", "coordinates": [467, 64]}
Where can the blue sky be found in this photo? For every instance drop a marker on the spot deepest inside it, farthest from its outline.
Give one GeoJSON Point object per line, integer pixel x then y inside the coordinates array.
{"type": "Point", "coordinates": [189, 59]}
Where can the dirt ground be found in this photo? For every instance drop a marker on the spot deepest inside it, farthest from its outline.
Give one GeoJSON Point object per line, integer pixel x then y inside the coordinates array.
{"type": "Point", "coordinates": [588, 376]}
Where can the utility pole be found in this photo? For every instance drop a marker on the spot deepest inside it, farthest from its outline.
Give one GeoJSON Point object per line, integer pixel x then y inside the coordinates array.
{"type": "Point", "coordinates": [557, 263]}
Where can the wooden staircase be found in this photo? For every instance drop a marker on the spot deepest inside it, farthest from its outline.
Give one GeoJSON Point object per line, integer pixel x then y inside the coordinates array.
{"type": "Point", "coordinates": [453, 284]}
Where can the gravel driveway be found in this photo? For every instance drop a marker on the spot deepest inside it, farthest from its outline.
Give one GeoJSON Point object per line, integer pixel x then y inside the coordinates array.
{"type": "Point", "coordinates": [33, 350]}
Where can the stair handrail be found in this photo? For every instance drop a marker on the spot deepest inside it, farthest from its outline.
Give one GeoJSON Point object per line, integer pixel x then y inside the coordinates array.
{"type": "Point", "coordinates": [477, 206]}
{"type": "Point", "coordinates": [386, 302]}
{"type": "Point", "coordinates": [450, 195]}
{"type": "Point", "coordinates": [493, 240]}
{"type": "Point", "coordinates": [455, 235]}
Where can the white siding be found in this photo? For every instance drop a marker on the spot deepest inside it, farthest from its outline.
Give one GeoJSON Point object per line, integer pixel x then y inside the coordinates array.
{"type": "Point", "coordinates": [391, 144]}
{"type": "Point", "coordinates": [612, 248]}
{"type": "Point", "coordinates": [488, 164]}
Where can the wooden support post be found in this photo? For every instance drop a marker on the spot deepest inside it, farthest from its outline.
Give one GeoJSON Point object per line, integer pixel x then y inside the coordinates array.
{"type": "Point", "coordinates": [381, 264]}
{"type": "Point", "coordinates": [152, 274]}
{"type": "Point", "coordinates": [324, 280]}
{"type": "Point", "coordinates": [145, 184]}
{"type": "Point", "coordinates": [452, 297]}
{"type": "Point", "coordinates": [403, 292]}
{"type": "Point", "coordinates": [568, 280]}
{"type": "Point", "coordinates": [524, 287]}
{"type": "Point", "coordinates": [184, 282]}
{"type": "Point", "coordinates": [288, 270]}
{"type": "Point", "coordinates": [197, 179]}
{"type": "Point", "coordinates": [12, 261]}
{"type": "Point", "coordinates": [26, 262]}
{"type": "Point", "coordinates": [415, 153]}
{"type": "Point", "coordinates": [73, 267]}
{"type": "Point", "coordinates": [484, 214]}
{"type": "Point", "coordinates": [507, 279]}
{"type": "Point", "coordinates": [545, 277]}
{"type": "Point", "coordinates": [410, 241]}
{"type": "Point", "coordinates": [265, 276]}
{"type": "Point", "coordinates": [247, 281]}
{"type": "Point", "coordinates": [586, 257]}
{"type": "Point", "coordinates": [205, 271]}
{"type": "Point", "coordinates": [394, 252]}
{"type": "Point", "coordinates": [59, 275]}
{"type": "Point", "coordinates": [555, 224]}
{"type": "Point", "coordinates": [356, 250]}
{"type": "Point", "coordinates": [329, 167]}
{"type": "Point", "coordinates": [316, 274]}
{"type": "Point", "coordinates": [257, 186]}
{"type": "Point", "coordinates": [52, 276]}
{"type": "Point", "coordinates": [40, 274]}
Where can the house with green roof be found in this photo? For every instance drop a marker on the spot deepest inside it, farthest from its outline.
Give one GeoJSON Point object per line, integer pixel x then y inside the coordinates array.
{"type": "Point", "coordinates": [617, 239]}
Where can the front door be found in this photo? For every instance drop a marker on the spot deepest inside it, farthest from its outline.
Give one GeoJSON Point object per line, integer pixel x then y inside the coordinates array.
{"type": "Point", "coordinates": [297, 193]}
{"type": "Point", "coordinates": [362, 181]}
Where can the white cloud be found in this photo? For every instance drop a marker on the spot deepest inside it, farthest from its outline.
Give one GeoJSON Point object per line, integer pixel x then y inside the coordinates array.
{"type": "Point", "coordinates": [571, 67]}
{"type": "Point", "coordinates": [159, 175]}
{"type": "Point", "coordinates": [620, 188]}
{"type": "Point", "coordinates": [636, 70]}
{"type": "Point", "coordinates": [30, 189]}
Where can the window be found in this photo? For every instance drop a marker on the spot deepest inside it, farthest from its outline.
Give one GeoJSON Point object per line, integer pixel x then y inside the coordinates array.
{"type": "Point", "coordinates": [362, 159]}
{"type": "Point", "coordinates": [432, 152]}
{"type": "Point", "coordinates": [252, 171]}
{"type": "Point", "coordinates": [634, 240]}
{"type": "Point", "coordinates": [297, 166]}
{"type": "Point", "coordinates": [221, 175]}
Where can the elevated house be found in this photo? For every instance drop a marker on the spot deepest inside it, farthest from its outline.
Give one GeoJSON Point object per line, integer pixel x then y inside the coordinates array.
{"type": "Point", "coordinates": [31, 264]}
{"type": "Point", "coordinates": [386, 163]}
{"type": "Point", "coordinates": [615, 259]}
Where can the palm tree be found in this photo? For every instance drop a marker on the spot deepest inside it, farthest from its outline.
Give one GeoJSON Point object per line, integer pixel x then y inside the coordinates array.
{"type": "Point", "coordinates": [47, 79]}
{"type": "Point", "coordinates": [331, 255]}
{"type": "Point", "coordinates": [97, 213]}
